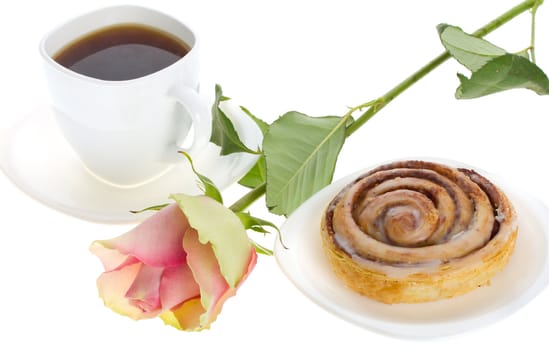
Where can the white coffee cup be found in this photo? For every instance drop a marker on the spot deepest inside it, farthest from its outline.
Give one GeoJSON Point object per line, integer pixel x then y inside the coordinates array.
{"type": "Point", "coordinates": [128, 132]}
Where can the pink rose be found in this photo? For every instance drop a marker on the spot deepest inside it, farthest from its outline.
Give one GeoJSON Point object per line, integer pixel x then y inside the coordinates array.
{"type": "Point", "coordinates": [181, 264]}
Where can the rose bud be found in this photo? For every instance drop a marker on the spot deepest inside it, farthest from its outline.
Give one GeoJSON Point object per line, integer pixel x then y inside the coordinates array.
{"type": "Point", "coordinates": [181, 264]}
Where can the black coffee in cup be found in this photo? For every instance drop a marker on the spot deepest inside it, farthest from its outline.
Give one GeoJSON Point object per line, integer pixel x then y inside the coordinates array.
{"type": "Point", "coordinates": [122, 52]}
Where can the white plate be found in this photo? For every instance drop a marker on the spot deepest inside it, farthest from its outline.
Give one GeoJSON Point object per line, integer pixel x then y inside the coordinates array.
{"type": "Point", "coordinates": [524, 277]}
{"type": "Point", "coordinates": [36, 158]}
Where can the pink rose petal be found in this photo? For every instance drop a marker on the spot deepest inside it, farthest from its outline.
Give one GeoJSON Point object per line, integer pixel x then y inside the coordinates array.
{"type": "Point", "coordinates": [112, 287]}
{"type": "Point", "coordinates": [219, 226]}
{"type": "Point", "coordinates": [155, 242]}
{"type": "Point", "coordinates": [206, 272]}
{"type": "Point", "coordinates": [216, 308]}
{"type": "Point", "coordinates": [110, 258]}
{"type": "Point", "coordinates": [186, 316]}
{"type": "Point", "coordinates": [160, 268]}
{"type": "Point", "coordinates": [144, 291]}
{"type": "Point", "coordinates": [177, 286]}
{"type": "Point", "coordinates": [213, 287]}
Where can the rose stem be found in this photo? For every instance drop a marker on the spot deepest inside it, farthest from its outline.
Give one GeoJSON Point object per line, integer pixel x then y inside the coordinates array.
{"type": "Point", "coordinates": [384, 100]}
{"type": "Point", "coordinates": [412, 79]}
{"type": "Point", "coordinates": [250, 197]}
{"type": "Point", "coordinates": [533, 30]}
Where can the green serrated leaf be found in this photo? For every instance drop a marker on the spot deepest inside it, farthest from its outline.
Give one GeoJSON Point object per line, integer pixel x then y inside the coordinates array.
{"type": "Point", "coordinates": [258, 173]}
{"type": "Point", "coordinates": [301, 154]}
{"type": "Point", "coordinates": [152, 208]}
{"type": "Point", "coordinates": [503, 73]}
{"type": "Point", "coordinates": [263, 126]}
{"type": "Point", "coordinates": [207, 185]}
{"type": "Point", "coordinates": [256, 176]}
{"type": "Point", "coordinates": [462, 78]}
{"type": "Point", "coordinates": [256, 224]}
{"type": "Point", "coordinates": [524, 53]}
{"type": "Point", "coordinates": [470, 51]}
{"type": "Point", "coordinates": [223, 132]}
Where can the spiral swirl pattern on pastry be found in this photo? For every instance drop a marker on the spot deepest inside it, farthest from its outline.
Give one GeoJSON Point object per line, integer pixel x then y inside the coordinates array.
{"type": "Point", "coordinates": [414, 231]}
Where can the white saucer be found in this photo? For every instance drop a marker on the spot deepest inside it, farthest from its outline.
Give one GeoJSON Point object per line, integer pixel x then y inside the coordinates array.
{"type": "Point", "coordinates": [526, 275]}
{"type": "Point", "coordinates": [36, 158]}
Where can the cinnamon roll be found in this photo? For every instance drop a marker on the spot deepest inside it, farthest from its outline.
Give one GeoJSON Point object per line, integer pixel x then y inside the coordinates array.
{"type": "Point", "coordinates": [416, 231]}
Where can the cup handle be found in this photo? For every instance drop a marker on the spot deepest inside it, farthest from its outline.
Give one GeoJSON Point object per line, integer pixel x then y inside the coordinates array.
{"type": "Point", "coordinates": [201, 118]}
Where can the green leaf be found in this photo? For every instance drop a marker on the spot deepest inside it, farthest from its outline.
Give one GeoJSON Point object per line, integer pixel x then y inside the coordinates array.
{"type": "Point", "coordinates": [524, 53]}
{"type": "Point", "coordinates": [256, 224]}
{"type": "Point", "coordinates": [258, 173]}
{"type": "Point", "coordinates": [301, 154]}
{"type": "Point", "coordinates": [207, 186]}
{"type": "Point", "coordinates": [503, 73]}
{"type": "Point", "coordinates": [153, 208]}
{"type": "Point", "coordinates": [223, 132]}
{"type": "Point", "coordinates": [470, 51]}
{"type": "Point", "coordinates": [263, 126]}
{"type": "Point", "coordinates": [261, 249]}
{"type": "Point", "coordinates": [493, 69]}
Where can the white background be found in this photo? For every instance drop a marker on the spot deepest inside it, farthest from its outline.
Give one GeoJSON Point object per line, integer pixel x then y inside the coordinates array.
{"type": "Point", "coordinates": [317, 57]}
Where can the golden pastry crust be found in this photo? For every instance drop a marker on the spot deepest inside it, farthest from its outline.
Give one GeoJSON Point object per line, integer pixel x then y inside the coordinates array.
{"type": "Point", "coordinates": [415, 231]}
